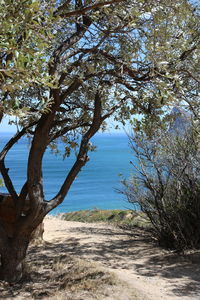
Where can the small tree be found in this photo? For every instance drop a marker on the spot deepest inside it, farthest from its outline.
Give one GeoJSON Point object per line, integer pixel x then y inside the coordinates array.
{"type": "Point", "coordinates": [66, 67]}
{"type": "Point", "coordinates": [166, 185]}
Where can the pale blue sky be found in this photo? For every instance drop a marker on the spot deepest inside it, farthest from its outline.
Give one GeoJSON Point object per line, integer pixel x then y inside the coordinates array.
{"type": "Point", "coordinates": [5, 127]}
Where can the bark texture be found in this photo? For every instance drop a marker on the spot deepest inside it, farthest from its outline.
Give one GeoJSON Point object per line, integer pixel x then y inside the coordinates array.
{"type": "Point", "coordinates": [13, 252]}
{"type": "Point", "coordinates": [15, 236]}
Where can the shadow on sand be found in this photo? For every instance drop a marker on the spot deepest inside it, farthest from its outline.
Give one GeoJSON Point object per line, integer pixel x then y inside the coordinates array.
{"type": "Point", "coordinates": [124, 249]}
{"type": "Point", "coordinates": [115, 249]}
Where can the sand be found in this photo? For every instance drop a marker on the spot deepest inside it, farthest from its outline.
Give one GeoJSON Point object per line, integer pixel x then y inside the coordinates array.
{"type": "Point", "coordinates": [131, 255]}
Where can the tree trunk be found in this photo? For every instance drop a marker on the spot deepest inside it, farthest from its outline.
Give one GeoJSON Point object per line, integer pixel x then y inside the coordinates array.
{"type": "Point", "coordinates": [12, 259]}
{"type": "Point", "coordinates": [37, 235]}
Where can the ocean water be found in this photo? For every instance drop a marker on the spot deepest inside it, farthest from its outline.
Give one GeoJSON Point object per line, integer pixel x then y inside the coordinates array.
{"type": "Point", "coordinates": [96, 184]}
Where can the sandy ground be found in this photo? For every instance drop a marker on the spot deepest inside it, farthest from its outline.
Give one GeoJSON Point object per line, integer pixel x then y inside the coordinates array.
{"type": "Point", "coordinates": [155, 273]}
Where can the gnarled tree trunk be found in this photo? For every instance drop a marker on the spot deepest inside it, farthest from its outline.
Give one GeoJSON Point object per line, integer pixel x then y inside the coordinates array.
{"type": "Point", "coordinates": [13, 252]}
{"type": "Point", "coordinates": [8, 217]}
{"type": "Point", "coordinates": [15, 235]}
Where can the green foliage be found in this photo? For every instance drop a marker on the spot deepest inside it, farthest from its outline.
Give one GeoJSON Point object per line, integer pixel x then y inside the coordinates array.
{"type": "Point", "coordinates": [171, 41]}
{"type": "Point", "coordinates": [148, 56]}
{"type": "Point", "coordinates": [123, 218]}
{"type": "Point", "coordinates": [25, 39]}
{"type": "Point", "coordinates": [166, 185]}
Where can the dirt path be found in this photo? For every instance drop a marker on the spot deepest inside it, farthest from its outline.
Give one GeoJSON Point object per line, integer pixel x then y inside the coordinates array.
{"type": "Point", "coordinates": [155, 273]}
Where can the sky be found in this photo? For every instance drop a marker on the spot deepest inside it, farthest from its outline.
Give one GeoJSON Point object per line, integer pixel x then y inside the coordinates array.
{"type": "Point", "coordinates": [5, 127]}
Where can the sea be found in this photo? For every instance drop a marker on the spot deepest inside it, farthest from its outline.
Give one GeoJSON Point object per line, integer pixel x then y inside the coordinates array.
{"type": "Point", "coordinates": [96, 186]}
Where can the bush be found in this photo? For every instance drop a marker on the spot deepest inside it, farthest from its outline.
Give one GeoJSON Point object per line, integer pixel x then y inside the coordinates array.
{"type": "Point", "coordinates": [166, 185]}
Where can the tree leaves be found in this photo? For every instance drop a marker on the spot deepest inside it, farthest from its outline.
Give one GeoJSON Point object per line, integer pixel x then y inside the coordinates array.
{"type": "Point", "coordinates": [130, 50]}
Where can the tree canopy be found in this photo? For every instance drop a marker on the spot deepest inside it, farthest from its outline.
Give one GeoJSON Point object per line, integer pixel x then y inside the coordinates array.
{"type": "Point", "coordinates": [119, 44]}
{"type": "Point", "coordinates": [67, 66]}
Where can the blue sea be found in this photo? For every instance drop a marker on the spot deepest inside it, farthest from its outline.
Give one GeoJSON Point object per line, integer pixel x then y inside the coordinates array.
{"type": "Point", "coordinates": [94, 187]}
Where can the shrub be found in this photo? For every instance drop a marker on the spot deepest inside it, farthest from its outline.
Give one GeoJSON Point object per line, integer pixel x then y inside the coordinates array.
{"type": "Point", "coordinates": [166, 185]}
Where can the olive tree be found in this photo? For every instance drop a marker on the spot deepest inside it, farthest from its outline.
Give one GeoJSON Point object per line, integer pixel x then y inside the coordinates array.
{"type": "Point", "coordinates": [73, 64]}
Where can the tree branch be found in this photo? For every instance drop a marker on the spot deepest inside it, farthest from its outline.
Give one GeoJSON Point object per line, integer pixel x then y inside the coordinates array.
{"type": "Point", "coordinates": [8, 181]}
{"type": "Point", "coordinates": [190, 74]}
{"type": "Point", "coordinates": [4, 170]}
{"type": "Point", "coordinates": [124, 67]}
{"type": "Point", "coordinates": [74, 86]}
{"type": "Point", "coordinates": [82, 157]}
{"type": "Point", "coordinates": [38, 147]}
{"type": "Point", "coordinates": [69, 42]}
{"type": "Point", "coordinates": [67, 129]}
{"type": "Point", "coordinates": [82, 11]}
{"type": "Point", "coordinates": [186, 53]}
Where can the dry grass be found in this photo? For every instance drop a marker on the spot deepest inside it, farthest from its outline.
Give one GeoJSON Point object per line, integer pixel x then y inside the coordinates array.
{"type": "Point", "coordinates": [58, 276]}
{"type": "Point", "coordinates": [124, 218]}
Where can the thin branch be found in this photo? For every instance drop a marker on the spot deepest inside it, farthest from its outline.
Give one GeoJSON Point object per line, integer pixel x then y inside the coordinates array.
{"type": "Point", "coordinates": [70, 68]}
{"type": "Point", "coordinates": [114, 108]}
{"type": "Point", "coordinates": [14, 140]}
{"type": "Point", "coordinates": [67, 129]}
{"type": "Point", "coordinates": [69, 42]}
{"type": "Point", "coordinates": [186, 53]}
{"type": "Point", "coordinates": [124, 67]}
{"type": "Point", "coordinates": [8, 181]}
{"type": "Point", "coordinates": [82, 11]}
{"type": "Point", "coordinates": [74, 86]}
{"type": "Point", "coordinates": [190, 74]}
{"type": "Point", "coordinates": [4, 170]}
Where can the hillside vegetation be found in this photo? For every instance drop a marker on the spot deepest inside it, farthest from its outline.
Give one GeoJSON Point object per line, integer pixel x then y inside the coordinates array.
{"type": "Point", "coordinates": [124, 218]}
